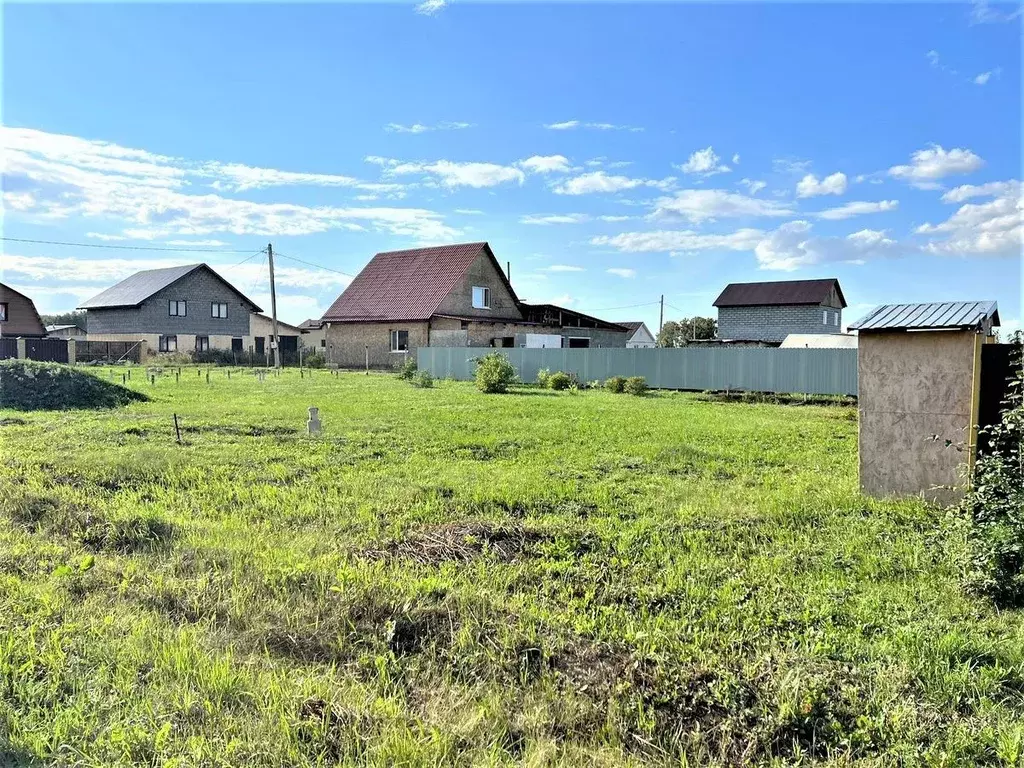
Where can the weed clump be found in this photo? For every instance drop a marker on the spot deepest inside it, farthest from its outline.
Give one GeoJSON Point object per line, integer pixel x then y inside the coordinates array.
{"type": "Point", "coordinates": [422, 380]}
{"type": "Point", "coordinates": [28, 385]}
{"type": "Point", "coordinates": [635, 385]}
{"type": "Point", "coordinates": [406, 369]}
{"type": "Point", "coordinates": [494, 374]}
{"type": "Point", "coordinates": [559, 380]}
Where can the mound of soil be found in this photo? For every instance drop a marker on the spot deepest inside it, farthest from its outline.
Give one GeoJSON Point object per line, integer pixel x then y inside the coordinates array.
{"type": "Point", "coordinates": [28, 386]}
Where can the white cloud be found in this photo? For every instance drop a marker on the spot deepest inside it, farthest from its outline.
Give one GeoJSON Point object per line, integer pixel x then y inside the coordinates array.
{"type": "Point", "coordinates": [983, 13]}
{"type": "Point", "coordinates": [705, 162]}
{"type": "Point", "coordinates": [545, 164]}
{"type": "Point", "coordinates": [569, 125]}
{"type": "Point", "coordinates": [665, 241]}
{"type": "Point", "coordinates": [563, 268]}
{"type": "Point", "coordinates": [989, 189]}
{"type": "Point", "coordinates": [736, 159]}
{"type": "Point", "coordinates": [554, 218]}
{"type": "Point", "coordinates": [991, 228]}
{"type": "Point", "coordinates": [791, 246]}
{"type": "Point", "coordinates": [984, 77]}
{"type": "Point", "coordinates": [753, 186]}
{"type": "Point", "coordinates": [421, 128]}
{"type": "Point", "coordinates": [469, 211]}
{"type": "Point", "coordinates": [698, 205]}
{"type": "Point", "coordinates": [611, 217]}
{"type": "Point", "coordinates": [621, 272]}
{"type": "Point", "coordinates": [810, 186]}
{"type": "Point", "coordinates": [928, 165]}
{"type": "Point", "coordinates": [451, 174]}
{"type": "Point", "coordinates": [431, 7]}
{"type": "Point", "coordinates": [197, 243]}
{"type": "Point", "coordinates": [791, 165]}
{"type": "Point", "coordinates": [858, 208]}
{"type": "Point", "coordinates": [599, 181]}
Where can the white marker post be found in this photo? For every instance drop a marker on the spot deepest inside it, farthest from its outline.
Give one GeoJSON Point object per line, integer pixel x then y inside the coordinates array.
{"type": "Point", "coordinates": [313, 424]}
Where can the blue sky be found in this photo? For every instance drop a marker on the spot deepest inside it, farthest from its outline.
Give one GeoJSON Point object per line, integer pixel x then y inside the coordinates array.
{"type": "Point", "coordinates": [611, 153]}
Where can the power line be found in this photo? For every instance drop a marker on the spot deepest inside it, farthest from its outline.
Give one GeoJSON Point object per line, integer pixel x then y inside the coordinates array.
{"type": "Point", "coordinates": [311, 264]}
{"type": "Point", "coordinates": [629, 306]}
{"type": "Point", "coordinates": [125, 247]}
{"type": "Point", "coordinates": [261, 250]}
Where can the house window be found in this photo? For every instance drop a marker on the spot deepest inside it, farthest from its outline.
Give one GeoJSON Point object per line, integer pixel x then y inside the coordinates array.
{"type": "Point", "coordinates": [824, 317]}
{"type": "Point", "coordinates": [260, 341]}
{"type": "Point", "coordinates": [578, 342]}
{"type": "Point", "coordinates": [176, 308]}
{"type": "Point", "coordinates": [3, 311]}
{"type": "Point", "coordinates": [399, 341]}
{"type": "Point", "coordinates": [835, 319]}
{"type": "Point", "coordinates": [323, 342]}
{"type": "Point", "coordinates": [481, 297]}
{"type": "Point", "coordinates": [219, 310]}
{"type": "Point", "coordinates": [168, 343]}
{"type": "Point", "coordinates": [236, 345]}
{"type": "Point", "coordinates": [202, 343]}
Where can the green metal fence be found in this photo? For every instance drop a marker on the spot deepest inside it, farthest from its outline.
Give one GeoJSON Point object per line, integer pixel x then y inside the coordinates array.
{"type": "Point", "coordinates": [808, 371]}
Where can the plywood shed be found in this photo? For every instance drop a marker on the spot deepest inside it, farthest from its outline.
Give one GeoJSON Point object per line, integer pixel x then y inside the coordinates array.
{"type": "Point", "coordinates": [918, 371]}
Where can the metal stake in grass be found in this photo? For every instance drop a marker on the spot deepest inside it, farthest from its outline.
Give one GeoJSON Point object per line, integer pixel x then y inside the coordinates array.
{"type": "Point", "coordinates": [313, 424]}
{"type": "Point", "coordinates": [177, 431]}
{"type": "Point", "coordinates": [207, 375]}
{"type": "Point", "coordinates": [152, 379]}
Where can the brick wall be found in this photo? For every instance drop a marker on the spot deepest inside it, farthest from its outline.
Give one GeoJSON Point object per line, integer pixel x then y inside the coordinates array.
{"type": "Point", "coordinates": [199, 289]}
{"type": "Point", "coordinates": [774, 323]}
{"type": "Point", "coordinates": [481, 272]}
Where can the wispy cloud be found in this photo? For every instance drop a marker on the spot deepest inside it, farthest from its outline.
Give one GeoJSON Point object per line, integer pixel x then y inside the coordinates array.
{"type": "Point", "coordinates": [858, 208]}
{"type": "Point", "coordinates": [554, 218]}
{"type": "Point", "coordinates": [984, 77]}
{"type": "Point", "coordinates": [599, 181]}
{"type": "Point", "coordinates": [621, 272]}
{"type": "Point", "coordinates": [546, 164]}
{"type": "Point", "coordinates": [431, 7]}
{"type": "Point", "coordinates": [753, 187]}
{"type": "Point", "coordinates": [423, 128]}
{"type": "Point", "coordinates": [704, 162]}
{"type": "Point", "coordinates": [451, 174]}
{"type": "Point", "coordinates": [929, 165]}
{"type": "Point", "coordinates": [982, 12]}
{"type": "Point", "coordinates": [699, 205]}
{"type": "Point", "coordinates": [569, 125]}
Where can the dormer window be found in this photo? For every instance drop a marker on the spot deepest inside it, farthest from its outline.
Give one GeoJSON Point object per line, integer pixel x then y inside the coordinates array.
{"type": "Point", "coordinates": [481, 297]}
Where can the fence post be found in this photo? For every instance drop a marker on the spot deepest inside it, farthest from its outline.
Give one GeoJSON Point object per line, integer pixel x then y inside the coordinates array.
{"type": "Point", "coordinates": [143, 350]}
{"type": "Point", "coordinates": [22, 350]}
{"type": "Point", "coordinates": [71, 351]}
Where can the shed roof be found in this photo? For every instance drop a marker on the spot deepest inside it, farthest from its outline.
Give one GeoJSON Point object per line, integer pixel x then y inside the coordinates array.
{"type": "Point", "coordinates": [409, 284]}
{"type": "Point", "coordinates": [931, 315]}
{"type": "Point", "coordinates": [135, 289]}
{"type": "Point", "coordinates": [779, 292]}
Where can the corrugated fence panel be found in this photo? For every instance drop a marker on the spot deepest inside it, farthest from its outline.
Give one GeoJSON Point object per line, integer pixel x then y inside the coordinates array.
{"type": "Point", "coordinates": [809, 371]}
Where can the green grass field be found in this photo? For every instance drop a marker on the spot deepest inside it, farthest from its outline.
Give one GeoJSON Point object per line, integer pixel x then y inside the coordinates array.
{"type": "Point", "coordinates": [452, 578]}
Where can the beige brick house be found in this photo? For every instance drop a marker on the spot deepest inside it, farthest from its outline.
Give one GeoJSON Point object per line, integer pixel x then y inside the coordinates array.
{"type": "Point", "coordinates": [446, 296]}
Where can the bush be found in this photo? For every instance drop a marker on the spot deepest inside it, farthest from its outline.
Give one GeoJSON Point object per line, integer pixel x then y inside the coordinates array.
{"type": "Point", "coordinates": [994, 510]}
{"type": "Point", "coordinates": [314, 360]}
{"type": "Point", "coordinates": [406, 369]}
{"type": "Point", "coordinates": [28, 385]}
{"type": "Point", "coordinates": [214, 356]}
{"type": "Point", "coordinates": [635, 385]}
{"type": "Point", "coordinates": [542, 377]}
{"type": "Point", "coordinates": [559, 380]}
{"type": "Point", "coordinates": [616, 384]}
{"type": "Point", "coordinates": [423, 380]}
{"type": "Point", "coordinates": [494, 373]}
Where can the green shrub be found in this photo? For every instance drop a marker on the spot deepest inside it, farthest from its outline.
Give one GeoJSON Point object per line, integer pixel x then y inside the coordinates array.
{"type": "Point", "coordinates": [423, 380]}
{"type": "Point", "coordinates": [635, 385]}
{"type": "Point", "coordinates": [494, 373]}
{"type": "Point", "coordinates": [314, 360]}
{"type": "Point", "coordinates": [28, 385]}
{"type": "Point", "coordinates": [559, 380]}
{"type": "Point", "coordinates": [616, 384]}
{"type": "Point", "coordinates": [542, 377]}
{"type": "Point", "coordinates": [406, 369]}
{"type": "Point", "coordinates": [994, 510]}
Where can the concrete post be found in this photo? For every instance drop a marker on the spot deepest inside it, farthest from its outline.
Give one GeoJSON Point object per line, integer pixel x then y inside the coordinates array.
{"type": "Point", "coordinates": [22, 351]}
{"type": "Point", "coordinates": [313, 424]}
{"type": "Point", "coordinates": [71, 351]}
{"type": "Point", "coordinates": [143, 350]}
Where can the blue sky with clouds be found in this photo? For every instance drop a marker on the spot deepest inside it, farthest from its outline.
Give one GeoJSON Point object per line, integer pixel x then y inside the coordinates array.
{"type": "Point", "coordinates": [612, 153]}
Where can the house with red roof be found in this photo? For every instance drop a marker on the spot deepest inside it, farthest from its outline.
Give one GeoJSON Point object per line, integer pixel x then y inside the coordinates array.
{"type": "Point", "coordinates": [446, 296]}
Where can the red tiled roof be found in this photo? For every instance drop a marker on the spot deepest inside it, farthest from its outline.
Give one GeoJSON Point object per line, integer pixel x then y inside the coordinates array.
{"type": "Point", "coordinates": [405, 285]}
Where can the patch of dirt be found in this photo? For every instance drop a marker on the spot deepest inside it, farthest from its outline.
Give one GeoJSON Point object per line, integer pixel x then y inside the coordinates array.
{"type": "Point", "coordinates": [329, 731]}
{"type": "Point", "coordinates": [463, 541]}
{"type": "Point", "coordinates": [253, 430]}
{"type": "Point", "coordinates": [12, 421]}
{"type": "Point", "coordinates": [503, 449]}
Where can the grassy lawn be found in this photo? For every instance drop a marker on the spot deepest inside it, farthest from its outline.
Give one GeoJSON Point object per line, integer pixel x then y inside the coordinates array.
{"type": "Point", "coordinates": [446, 577]}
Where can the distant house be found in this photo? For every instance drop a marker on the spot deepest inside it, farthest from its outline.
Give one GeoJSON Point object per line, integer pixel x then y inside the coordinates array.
{"type": "Point", "coordinates": [18, 316]}
{"type": "Point", "coordinates": [769, 312]}
{"type": "Point", "coordinates": [64, 332]}
{"type": "Point", "coordinates": [639, 336]}
{"type": "Point", "coordinates": [313, 334]}
{"type": "Point", "coordinates": [174, 309]}
{"type": "Point", "coordinates": [447, 296]}
{"type": "Point", "coordinates": [261, 332]}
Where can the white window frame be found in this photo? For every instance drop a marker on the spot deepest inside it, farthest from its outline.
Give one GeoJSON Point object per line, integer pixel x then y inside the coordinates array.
{"type": "Point", "coordinates": [5, 311]}
{"type": "Point", "coordinates": [824, 317]}
{"type": "Point", "coordinates": [485, 294]}
{"type": "Point", "coordinates": [835, 319]}
{"type": "Point", "coordinates": [177, 308]}
{"type": "Point", "coordinates": [219, 310]}
{"type": "Point", "coordinates": [395, 340]}
{"type": "Point", "coordinates": [200, 342]}
{"type": "Point", "coordinates": [168, 342]}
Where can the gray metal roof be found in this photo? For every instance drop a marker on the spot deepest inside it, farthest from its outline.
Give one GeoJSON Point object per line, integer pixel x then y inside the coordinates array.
{"type": "Point", "coordinates": [135, 289]}
{"type": "Point", "coordinates": [936, 314]}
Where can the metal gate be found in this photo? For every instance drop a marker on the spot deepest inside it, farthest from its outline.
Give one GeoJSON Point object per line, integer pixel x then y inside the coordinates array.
{"type": "Point", "coordinates": [47, 350]}
{"type": "Point", "coordinates": [1000, 364]}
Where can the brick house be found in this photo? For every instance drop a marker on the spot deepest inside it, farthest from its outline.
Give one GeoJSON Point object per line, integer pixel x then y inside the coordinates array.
{"type": "Point", "coordinates": [18, 316]}
{"type": "Point", "coordinates": [769, 312]}
{"type": "Point", "coordinates": [446, 296]}
{"type": "Point", "coordinates": [174, 309]}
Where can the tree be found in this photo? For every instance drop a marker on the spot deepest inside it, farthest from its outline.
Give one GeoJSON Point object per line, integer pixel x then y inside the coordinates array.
{"type": "Point", "coordinates": [679, 333]}
{"type": "Point", "coordinates": [76, 317]}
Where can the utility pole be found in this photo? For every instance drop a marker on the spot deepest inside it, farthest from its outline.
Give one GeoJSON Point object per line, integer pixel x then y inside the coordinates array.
{"type": "Point", "coordinates": [661, 313]}
{"type": "Point", "coordinates": [275, 345]}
